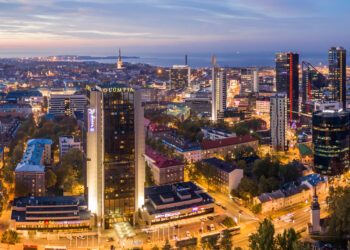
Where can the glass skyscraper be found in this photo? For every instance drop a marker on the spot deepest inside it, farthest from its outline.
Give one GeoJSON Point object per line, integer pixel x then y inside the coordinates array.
{"type": "Point", "coordinates": [115, 145]}
{"type": "Point", "coordinates": [314, 86]}
{"type": "Point", "coordinates": [330, 137]}
{"type": "Point", "coordinates": [287, 81]}
{"type": "Point", "coordinates": [337, 74]}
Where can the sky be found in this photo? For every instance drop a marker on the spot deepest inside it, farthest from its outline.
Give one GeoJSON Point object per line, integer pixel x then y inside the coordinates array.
{"type": "Point", "coordinates": [99, 27]}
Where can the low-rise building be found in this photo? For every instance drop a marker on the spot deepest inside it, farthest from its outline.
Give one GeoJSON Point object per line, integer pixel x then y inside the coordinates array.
{"type": "Point", "coordinates": [217, 133]}
{"type": "Point", "coordinates": [175, 202]}
{"type": "Point", "coordinates": [164, 170]}
{"type": "Point", "coordinates": [228, 176]}
{"type": "Point", "coordinates": [58, 213]}
{"type": "Point", "coordinates": [68, 142]}
{"type": "Point", "coordinates": [223, 147]}
{"type": "Point", "coordinates": [291, 194]}
{"type": "Point", "coordinates": [191, 151]}
{"type": "Point", "coordinates": [155, 130]}
{"type": "Point", "coordinates": [31, 169]}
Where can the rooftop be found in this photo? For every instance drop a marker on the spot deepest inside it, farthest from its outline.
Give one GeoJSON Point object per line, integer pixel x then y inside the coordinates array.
{"type": "Point", "coordinates": [218, 163]}
{"type": "Point", "coordinates": [304, 150]}
{"type": "Point", "coordinates": [160, 160]}
{"type": "Point", "coordinates": [227, 142]}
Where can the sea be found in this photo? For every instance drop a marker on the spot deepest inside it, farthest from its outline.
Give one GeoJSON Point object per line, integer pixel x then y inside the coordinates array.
{"type": "Point", "coordinates": [236, 59]}
{"type": "Point", "coordinates": [202, 60]}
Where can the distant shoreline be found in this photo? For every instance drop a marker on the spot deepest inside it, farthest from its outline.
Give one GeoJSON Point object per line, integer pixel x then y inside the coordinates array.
{"type": "Point", "coordinates": [74, 57]}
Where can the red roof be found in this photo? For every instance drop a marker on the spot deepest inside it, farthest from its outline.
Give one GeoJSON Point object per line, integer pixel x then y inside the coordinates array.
{"type": "Point", "coordinates": [158, 128]}
{"type": "Point", "coordinates": [160, 160]}
{"type": "Point", "coordinates": [146, 122]}
{"type": "Point", "coordinates": [227, 142]}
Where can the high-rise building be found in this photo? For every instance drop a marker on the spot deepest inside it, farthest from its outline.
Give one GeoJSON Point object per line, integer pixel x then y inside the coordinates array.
{"type": "Point", "coordinates": [115, 149]}
{"type": "Point", "coordinates": [278, 121]}
{"type": "Point", "coordinates": [287, 80]}
{"type": "Point", "coordinates": [180, 76]}
{"type": "Point", "coordinates": [337, 74]}
{"type": "Point", "coordinates": [314, 86]}
{"type": "Point", "coordinates": [219, 93]}
{"type": "Point", "coordinates": [249, 80]}
{"type": "Point", "coordinates": [330, 137]}
{"type": "Point", "coordinates": [66, 105]}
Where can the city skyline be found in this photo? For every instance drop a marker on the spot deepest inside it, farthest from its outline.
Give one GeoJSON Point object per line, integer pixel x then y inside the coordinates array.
{"type": "Point", "coordinates": [99, 27]}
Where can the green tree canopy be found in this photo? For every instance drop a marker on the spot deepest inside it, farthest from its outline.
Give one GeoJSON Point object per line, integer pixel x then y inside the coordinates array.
{"type": "Point", "coordinates": [50, 178]}
{"type": "Point", "coordinates": [263, 239]}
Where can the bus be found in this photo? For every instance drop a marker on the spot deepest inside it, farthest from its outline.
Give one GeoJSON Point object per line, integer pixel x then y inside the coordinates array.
{"type": "Point", "coordinates": [233, 230]}
{"type": "Point", "coordinates": [55, 248]}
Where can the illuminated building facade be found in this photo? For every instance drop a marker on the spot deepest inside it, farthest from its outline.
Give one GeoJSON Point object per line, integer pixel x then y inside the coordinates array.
{"type": "Point", "coordinates": [115, 148]}
{"type": "Point", "coordinates": [330, 130]}
{"type": "Point", "coordinates": [180, 77]}
{"type": "Point", "coordinates": [249, 80]}
{"type": "Point", "coordinates": [278, 122]}
{"type": "Point", "coordinates": [120, 62]}
{"type": "Point", "coordinates": [219, 93]}
{"type": "Point", "coordinates": [66, 105]}
{"type": "Point", "coordinates": [314, 86]}
{"type": "Point", "coordinates": [337, 74]}
{"type": "Point", "coordinates": [287, 81]}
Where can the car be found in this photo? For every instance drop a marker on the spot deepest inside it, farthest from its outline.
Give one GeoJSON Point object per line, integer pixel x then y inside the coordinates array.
{"type": "Point", "coordinates": [218, 204]}
{"type": "Point", "coordinates": [204, 219]}
{"type": "Point", "coordinates": [110, 239]}
{"type": "Point", "coordinates": [175, 237]}
{"type": "Point", "coordinates": [176, 226]}
{"type": "Point", "coordinates": [212, 227]}
{"type": "Point", "coordinates": [149, 238]}
{"type": "Point", "coordinates": [223, 207]}
{"type": "Point", "coordinates": [210, 217]}
{"type": "Point", "coordinates": [188, 234]}
{"type": "Point", "coordinates": [208, 227]}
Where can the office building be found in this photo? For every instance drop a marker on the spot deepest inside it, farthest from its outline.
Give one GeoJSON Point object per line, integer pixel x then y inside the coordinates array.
{"type": "Point", "coordinates": [219, 93]}
{"type": "Point", "coordinates": [68, 142]}
{"type": "Point", "coordinates": [180, 77]}
{"type": "Point", "coordinates": [262, 105]}
{"type": "Point", "coordinates": [278, 121]}
{"type": "Point", "coordinates": [165, 170]}
{"type": "Point", "coordinates": [115, 149]}
{"type": "Point", "coordinates": [46, 213]}
{"type": "Point", "coordinates": [31, 169]}
{"type": "Point", "coordinates": [330, 137]}
{"type": "Point", "coordinates": [287, 81]}
{"type": "Point", "coordinates": [337, 74]}
{"type": "Point", "coordinates": [66, 105]}
{"type": "Point", "coordinates": [249, 80]}
{"type": "Point", "coordinates": [175, 202]}
{"type": "Point", "coordinates": [227, 176]}
{"type": "Point", "coordinates": [314, 86]}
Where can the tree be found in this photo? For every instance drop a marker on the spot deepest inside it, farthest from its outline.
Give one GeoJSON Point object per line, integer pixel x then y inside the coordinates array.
{"type": "Point", "coordinates": [50, 178]}
{"type": "Point", "coordinates": [209, 172]}
{"type": "Point", "coordinates": [287, 240]}
{"type": "Point", "coordinates": [211, 243]}
{"type": "Point", "coordinates": [243, 151]}
{"type": "Point", "coordinates": [256, 209]}
{"type": "Point", "coordinates": [263, 238]}
{"type": "Point", "coordinates": [226, 242]}
{"type": "Point", "coordinates": [21, 189]}
{"type": "Point", "coordinates": [167, 245]}
{"type": "Point", "coordinates": [74, 159]}
{"type": "Point", "coordinates": [289, 173]}
{"type": "Point", "coordinates": [228, 222]}
{"type": "Point", "coordinates": [10, 237]}
{"type": "Point", "coordinates": [149, 176]}
{"type": "Point", "coordinates": [339, 208]}
{"type": "Point", "coordinates": [247, 188]}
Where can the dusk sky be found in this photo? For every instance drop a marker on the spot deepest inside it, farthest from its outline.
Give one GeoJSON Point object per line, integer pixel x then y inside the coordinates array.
{"type": "Point", "coordinates": [99, 27]}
